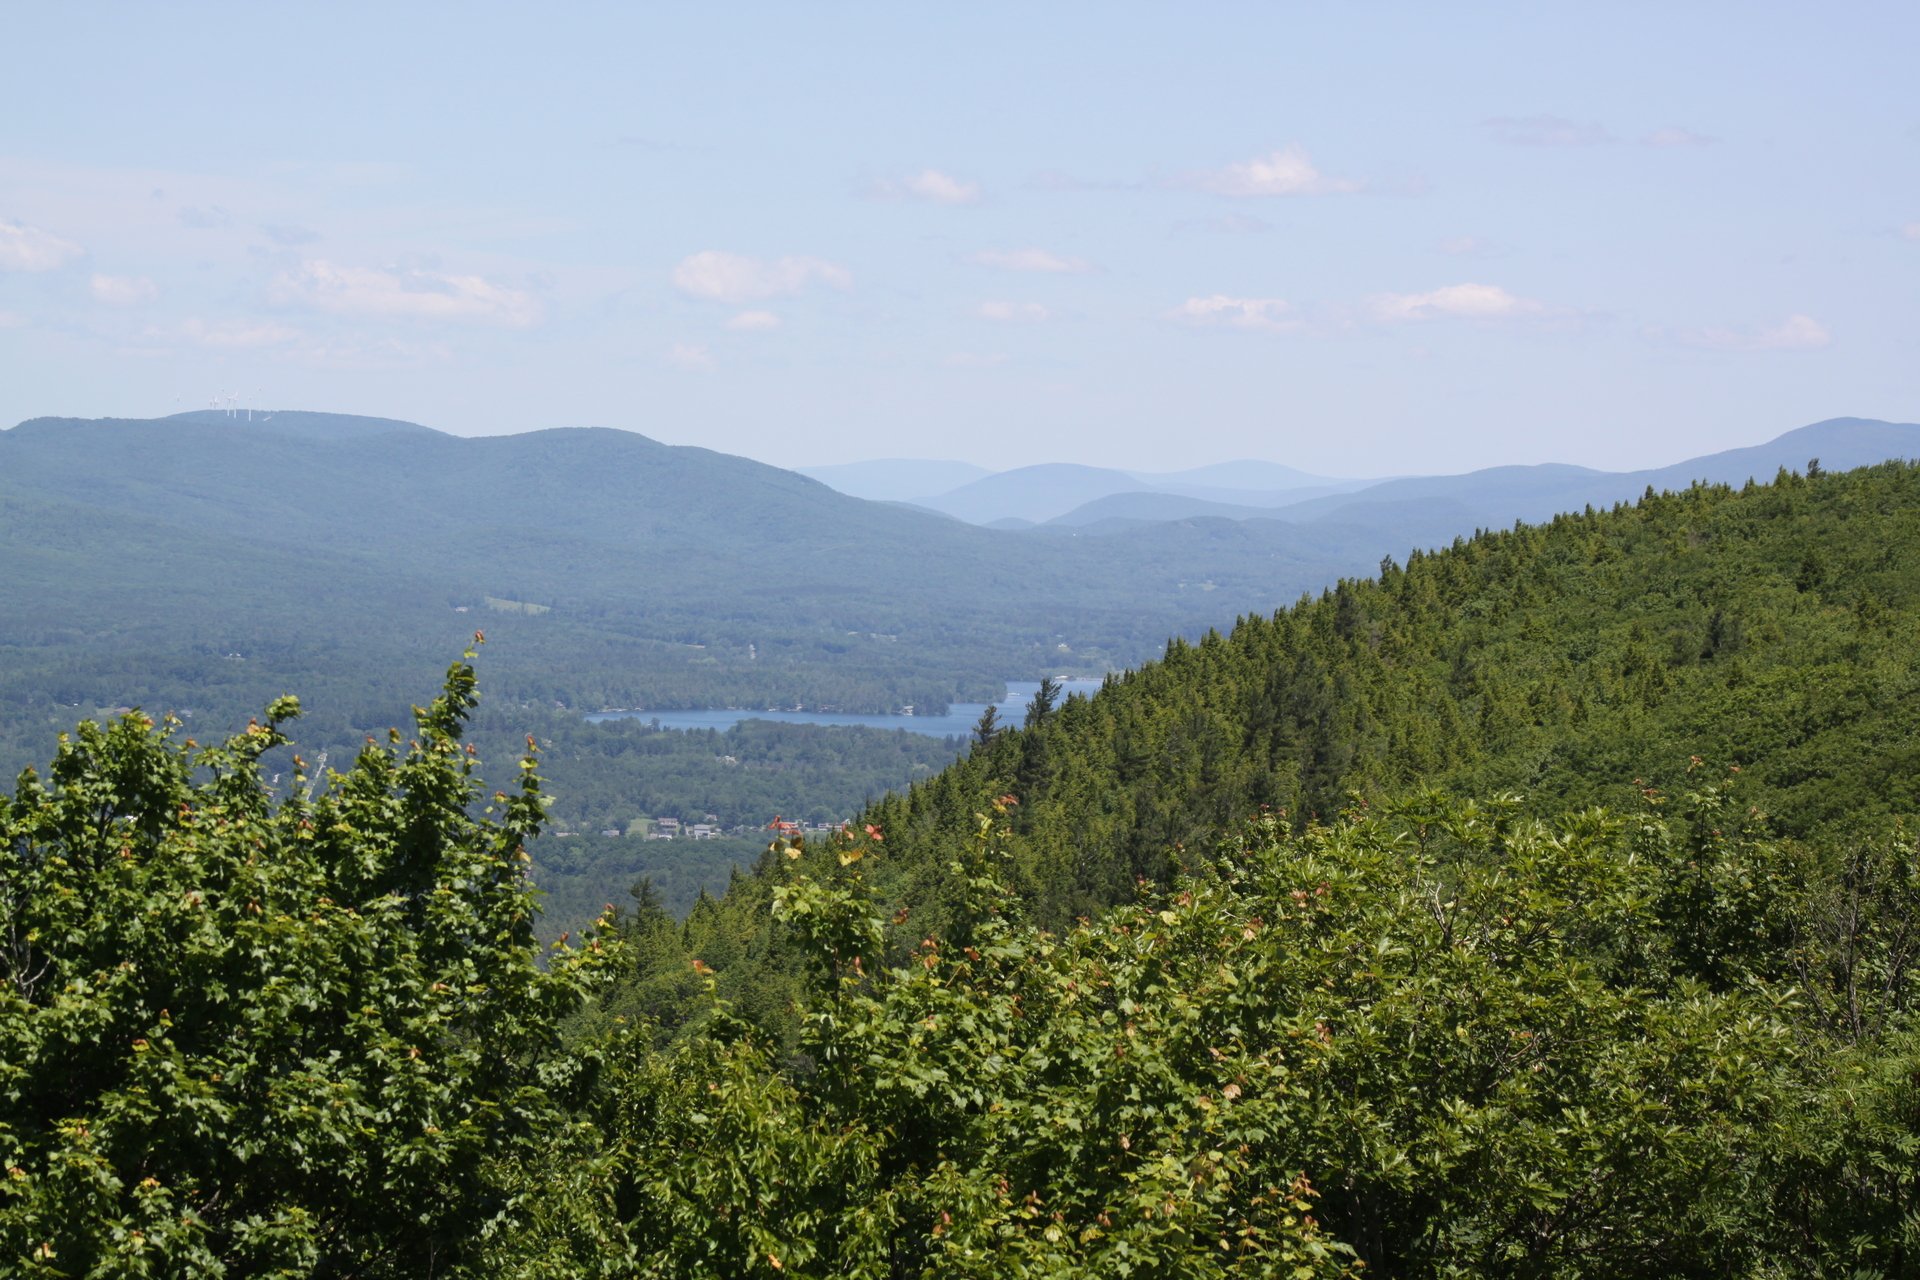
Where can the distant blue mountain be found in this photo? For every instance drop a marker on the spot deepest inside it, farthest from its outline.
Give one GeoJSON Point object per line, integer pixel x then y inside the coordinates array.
{"type": "Point", "coordinates": [895, 479]}
{"type": "Point", "coordinates": [302, 423]}
{"type": "Point", "coordinates": [1441, 507]}
{"type": "Point", "coordinates": [1121, 510]}
{"type": "Point", "coordinates": [1429, 510]}
{"type": "Point", "coordinates": [1037, 493]}
{"type": "Point", "coordinates": [1244, 474]}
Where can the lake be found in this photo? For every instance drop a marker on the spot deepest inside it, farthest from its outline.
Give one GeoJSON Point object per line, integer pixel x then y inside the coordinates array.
{"type": "Point", "coordinates": [958, 721]}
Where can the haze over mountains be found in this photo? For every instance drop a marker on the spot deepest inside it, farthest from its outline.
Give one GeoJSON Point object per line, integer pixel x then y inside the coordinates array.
{"type": "Point", "coordinates": [1087, 499]}
{"type": "Point", "coordinates": [1035, 494]}
{"type": "Point", "coordinates": [206, 560]}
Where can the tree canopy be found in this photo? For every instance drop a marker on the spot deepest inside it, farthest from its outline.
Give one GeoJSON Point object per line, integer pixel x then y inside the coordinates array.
{"type": "Point", "coordinates": [249, 1033]}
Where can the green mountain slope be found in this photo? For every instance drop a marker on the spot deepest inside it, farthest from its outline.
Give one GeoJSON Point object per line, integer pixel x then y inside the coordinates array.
{"type": "Point", "coordinates": [1769, 629]}
{"type": "Point", "coordinates": [1204, 976]}
{"type": "Point", "coordinates": [1597, 659]}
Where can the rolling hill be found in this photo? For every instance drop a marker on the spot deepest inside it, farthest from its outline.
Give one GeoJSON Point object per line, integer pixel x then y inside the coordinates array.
{"type": "Point", "coordinates": [209, 562]}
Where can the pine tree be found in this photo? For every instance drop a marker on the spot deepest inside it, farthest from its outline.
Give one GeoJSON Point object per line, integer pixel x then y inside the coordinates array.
{"type": "Point", "coordinates": [986, 728]}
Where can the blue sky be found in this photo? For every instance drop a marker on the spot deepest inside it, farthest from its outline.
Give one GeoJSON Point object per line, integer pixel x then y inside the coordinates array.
{"type": "Point", "coordinates": [1357, 239]}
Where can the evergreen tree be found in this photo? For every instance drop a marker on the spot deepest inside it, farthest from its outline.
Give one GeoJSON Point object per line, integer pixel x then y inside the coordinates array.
{"type": "Point", "coordinates": [987, 728]}
{"type": "Point", "coordinates": [1043, 702]}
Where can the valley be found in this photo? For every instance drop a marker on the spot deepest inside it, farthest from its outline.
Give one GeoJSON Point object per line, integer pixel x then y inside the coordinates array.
{"type": "Point", "coordinates": [959, 642]}
{"type": "Point", "coordinates": [204, 564]}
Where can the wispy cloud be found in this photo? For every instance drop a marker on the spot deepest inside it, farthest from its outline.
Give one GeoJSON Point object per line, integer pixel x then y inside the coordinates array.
{"type": "Point", "coordinates": [1467, 247]}
{"type": "Point", "coordinates": [238, 334]}
{"type": "Point", "coordinates": [931, 185]}
{"type": "Point", "coordinates": [403, 293]}
{"type": "Point", "coordinates": [1546, 131]}
{"type": "Point", "coordinates": [1286, 172]}
{"type": "Point", "coordinates": [25, 248]}
{"type": "Point", "coordinates": [1034, 260]}
{"type": "Point", "coordinates": [1676, 136]}
{"type": "Point", "coordinates": [1454, 301]}
{"type": "Point", "coordinates": [123, 291]}
{"type": "Point", "coordinates": [718, 276]}
{"type": "Point", "coordinates": [692, 357]}
{"type": "Point", "coordinates": [1269, 315]}
{"type": "Point", "coordinates": [289, 236]}
{"type": "Point", "coordinates": [1012, 312]}
{"type": "Point", "coordinates": [754, 322]}
{"type": "Point", "coordinates": [1795, 333]}
{"type": "Point", "coordinates": [1057, 180]}
{"type": "Point", "coordinates": [1911, 232]}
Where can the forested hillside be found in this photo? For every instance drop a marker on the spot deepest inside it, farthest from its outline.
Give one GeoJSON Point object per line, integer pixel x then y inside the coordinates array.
{"type": "Point", "coordinates": [1602, 658]}
{"type": "Point", "coordinates": [1636, 1000]}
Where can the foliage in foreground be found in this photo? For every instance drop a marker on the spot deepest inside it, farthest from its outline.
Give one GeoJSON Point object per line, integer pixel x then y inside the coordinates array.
{"type": "Point", "coordinates": [312, 1036]}
{"type": "Point", "coordinates": [241, 1036]}
{"type": "Point", "coordinates": [1448, 1041]}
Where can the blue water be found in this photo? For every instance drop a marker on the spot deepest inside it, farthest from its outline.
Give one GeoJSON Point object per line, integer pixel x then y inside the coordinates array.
{"type": "Point", "coordinates": [959, 720]}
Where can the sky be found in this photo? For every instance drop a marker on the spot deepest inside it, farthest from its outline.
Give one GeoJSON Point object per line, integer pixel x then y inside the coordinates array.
{"type": "Point", "coordinates": [1357, 239]}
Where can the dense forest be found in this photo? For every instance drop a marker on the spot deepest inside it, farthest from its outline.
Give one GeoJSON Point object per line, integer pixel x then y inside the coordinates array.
{"type": "Point", "coordinates": [1544, 906]}
{"type": "Point", "coordinates": [620, 773]}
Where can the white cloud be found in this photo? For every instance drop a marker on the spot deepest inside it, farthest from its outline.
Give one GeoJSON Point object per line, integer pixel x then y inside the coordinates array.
{"type": "Point", "coordinates": [1675, 136]}
{"type": "Point", "coordinates": [732, 277]}
{"type": "Point", "coordinates": [1272, 315]}
{"type": "Point", "coordinates": [1547, 131]}
{"type": "Point", "coordinates": [930, 184]}
{"type": "Point", "coordinates": [404, 292]}
{"type": "Point", "coordinates": [1286, 172]}
{"type": "Point", "coordinates": [239, 335]}
{"type": "Point", "coordinates": [1466, 247]}
{"type": "Point", "coordinates": [1012, 312]}
{"type": "Point", "coordinates": [754, 321]}
{"type": "Point", "coordinates": [1036, 260]}
{"type": "Point", "coordinates": [691, 356]}
{"type": "Point", "coordinates": [1455, 301]}
{"type": "Point", "coordinates": [123, 291]}
{"type": "Point", "coordinates": [24, 248]}
{"type": "Point", "coordinates": [1795, 333]}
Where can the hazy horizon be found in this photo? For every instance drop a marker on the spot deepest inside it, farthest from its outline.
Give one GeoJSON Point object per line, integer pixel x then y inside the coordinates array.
{"type": "Point", "coordinates": [1405, 241]}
